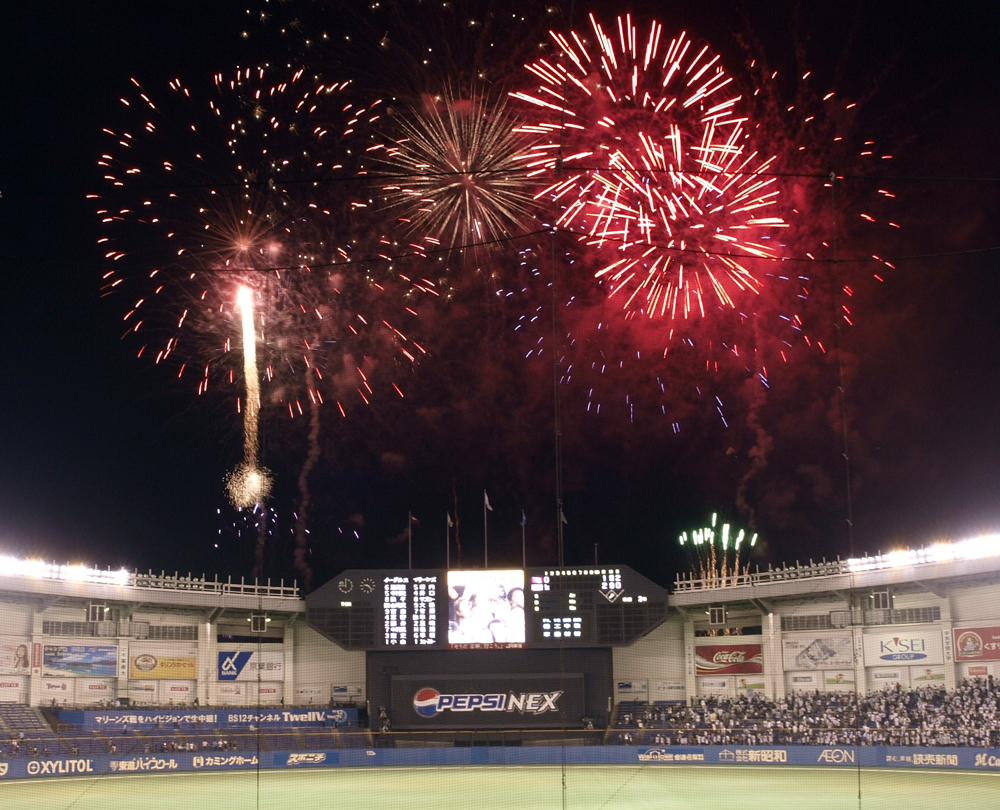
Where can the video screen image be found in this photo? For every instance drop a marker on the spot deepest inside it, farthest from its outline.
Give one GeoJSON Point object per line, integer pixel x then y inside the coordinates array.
{"type": "Point", "coordinates": [486, 609]}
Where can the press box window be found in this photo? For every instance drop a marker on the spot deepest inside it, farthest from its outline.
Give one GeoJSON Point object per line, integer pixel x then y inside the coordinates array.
{"type": "Point", "coordinates": [882, 600]}
{"type": "Point", "coordinates": [717, 615]}
{"type": "Point", "coordinates": [97, 612]}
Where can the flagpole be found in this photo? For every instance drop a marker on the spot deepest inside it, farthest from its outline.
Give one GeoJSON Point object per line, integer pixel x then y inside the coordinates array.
{"type": "Point", "coordinates": [524, 553]}
{"type": "Point", "coordinates": [486, 542]}
{"type": "Point", "coordinates": [447, 541]}
{"type": "Point", "coordinates": [409, 536]}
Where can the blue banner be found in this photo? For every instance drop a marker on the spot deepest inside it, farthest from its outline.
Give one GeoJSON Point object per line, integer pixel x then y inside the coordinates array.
{"type": "Point", "coordinates": [138, 719]}
{"type": "Point", "coordinates": [957, 759]}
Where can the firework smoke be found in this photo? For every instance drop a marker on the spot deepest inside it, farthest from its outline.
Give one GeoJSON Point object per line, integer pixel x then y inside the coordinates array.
{"type": "Point", "coordinates": [301, 562]}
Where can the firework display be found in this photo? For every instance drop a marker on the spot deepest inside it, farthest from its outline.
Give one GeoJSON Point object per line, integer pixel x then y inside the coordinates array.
{"type": "Point", "coordinates": [716, 553]}
{"type": "Point", "coordinates": [644, 143]}
{"type": "Point", "coordinates": [246, 203]}
{"type": "Point", "coordinates": [458, 177]}
{"type": "Point", "coordinates": [288, 241]}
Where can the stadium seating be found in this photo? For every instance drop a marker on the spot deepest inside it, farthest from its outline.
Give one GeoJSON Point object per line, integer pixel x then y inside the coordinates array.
{"type": "Point", "coordinates": [966, 716]}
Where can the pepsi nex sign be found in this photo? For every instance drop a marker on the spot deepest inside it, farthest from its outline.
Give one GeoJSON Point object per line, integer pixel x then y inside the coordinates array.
{"type": "Point", "coordinates": [428, 702]}
{"type": "Point", "coordinates": [919, 648]}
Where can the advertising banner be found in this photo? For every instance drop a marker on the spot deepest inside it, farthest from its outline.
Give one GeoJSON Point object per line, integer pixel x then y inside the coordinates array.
{"type": "Point", "coordinates": [842, 679]}
{"type": "Point", "coordinates": [307, 695]}
{"type": "Point", "coordinates": [12, 689]}
{"type": "Point", "coordinates": [266, 692]}
{"type": "Point", "coordinates": [888, 678]}
{"type": "Point", "coordinates": [230, 690]}
{"type": "Point", "coordinates": [123, 659]}
{"type": "Point", "coordinates": [804, 681]}
{"type": "Point", "coordinates": [80, 661]}
{"type": "Point", "coordinates": [143, 692]}
{"type": "Point", "coordinates": [977, 643]}
{"type": "Point", "coordinates": [59, 690]}
{"type": "Point", "coordinates": [340, 691]}
{"type": "Point", "coordinates": [14, 658]}
{"type": "Point", "coordinates": [668, 691]}
{"type": "Point", "coordinates": [632, 690]}
{"type": "Point", "coordinates": [251, 666]}
{"type": "Point", "coordinates": [955, 759]}
{"type": "Point", "coordinates": [729, 659]}
{"type": "Point", "coordinates": [826, 652]}
{"type": "Point", "coordinates": [93, 690]}
{"type": "Point", "coordinates": [490, 701]}
{"type": "Point", "coordinates": [926, 676]}
{"type": "Point", "coordinates": [154, 667]}
{"type": "Point", "coordinates": [485, 610]}
{"type": "Point", "coordinates": [904, 647]}
{"type": "Point", "coordinates": [715, 686]}
{"type": "Point", "coordinates": [140, 719]}
{"type": "Point", "coordinates": [177, 691]}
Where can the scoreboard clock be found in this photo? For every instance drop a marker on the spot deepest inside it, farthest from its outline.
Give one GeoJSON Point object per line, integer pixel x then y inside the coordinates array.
{"type": "Point", "coordinates": [591, 606]}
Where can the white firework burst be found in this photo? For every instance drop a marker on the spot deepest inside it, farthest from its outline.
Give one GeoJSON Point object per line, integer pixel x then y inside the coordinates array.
{"type": "Point", "coordinates": [453, 173]}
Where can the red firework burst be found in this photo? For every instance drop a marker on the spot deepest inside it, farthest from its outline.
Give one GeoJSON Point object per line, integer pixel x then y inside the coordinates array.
{"type": "Point", "coordinates": [653, 162]}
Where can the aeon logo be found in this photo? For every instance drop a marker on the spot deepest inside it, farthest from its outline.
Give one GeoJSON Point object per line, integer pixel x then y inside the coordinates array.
{"type": "Point", "coordinates": [837, 756]}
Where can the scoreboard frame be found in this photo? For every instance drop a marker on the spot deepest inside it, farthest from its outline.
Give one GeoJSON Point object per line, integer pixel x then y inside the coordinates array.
{"type": "Point", "coordinates": [467, 609]}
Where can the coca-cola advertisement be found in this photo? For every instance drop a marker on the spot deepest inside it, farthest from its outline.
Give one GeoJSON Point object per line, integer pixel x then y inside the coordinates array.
{"type": "Point", "coordinates": [728, 659]}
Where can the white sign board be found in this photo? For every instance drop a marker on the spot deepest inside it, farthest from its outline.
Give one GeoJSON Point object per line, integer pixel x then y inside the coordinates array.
{"type": "Point", "coordinates": [913, 647]}
{"type": "Point", "coordinates": [818, 652]}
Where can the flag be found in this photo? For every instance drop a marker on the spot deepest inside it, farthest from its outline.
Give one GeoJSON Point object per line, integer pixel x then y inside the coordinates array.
{"type": "Point", "coordinates": [414, 519]}
{"type": "Point", "coordinates": [486, 501]}
{"type": "Point", "coordinates": [450, 524]}
{"type": "Point", "coordinates": [524, 518]}
{"type": "Point", "coordinates": [562, 517]}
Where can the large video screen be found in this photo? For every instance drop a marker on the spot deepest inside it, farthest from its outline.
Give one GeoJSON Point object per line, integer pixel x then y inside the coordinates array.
{"type": "Point", "coordinates": [485, 610]}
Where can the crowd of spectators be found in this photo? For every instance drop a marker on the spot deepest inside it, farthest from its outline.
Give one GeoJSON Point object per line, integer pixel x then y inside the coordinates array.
{"type": "Point", "coordinates": [169, 746]}
{"type": "Point", "coordinates": [928, 716]}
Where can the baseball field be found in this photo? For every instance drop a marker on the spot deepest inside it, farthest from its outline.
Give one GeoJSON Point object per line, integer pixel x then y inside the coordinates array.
{"type": "Point", "coordinates": [517, 788]}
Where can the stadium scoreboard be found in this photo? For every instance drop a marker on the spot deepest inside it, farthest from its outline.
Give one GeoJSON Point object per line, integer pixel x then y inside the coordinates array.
{"type": "Point", "coordinates": [486, 608]}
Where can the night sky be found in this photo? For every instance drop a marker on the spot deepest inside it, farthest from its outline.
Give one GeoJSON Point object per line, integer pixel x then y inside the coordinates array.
{"type": "Point", "coordinates": [112, 460]}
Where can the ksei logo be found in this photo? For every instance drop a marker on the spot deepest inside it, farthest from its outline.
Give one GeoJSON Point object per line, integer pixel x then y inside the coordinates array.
{"type": "Point", "coordinates": [903, 649]}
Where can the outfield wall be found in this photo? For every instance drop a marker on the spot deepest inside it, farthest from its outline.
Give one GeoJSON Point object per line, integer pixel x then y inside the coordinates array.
{"type": "Point", "coordinates": [970, 759]}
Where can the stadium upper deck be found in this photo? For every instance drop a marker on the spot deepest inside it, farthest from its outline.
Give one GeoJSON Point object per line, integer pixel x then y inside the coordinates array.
{"type": "Point", "coordinates": [85, 637]}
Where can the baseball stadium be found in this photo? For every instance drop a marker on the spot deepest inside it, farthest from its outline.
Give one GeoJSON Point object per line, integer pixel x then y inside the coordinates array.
{"type": "Point", "coordinates": [867, 682]}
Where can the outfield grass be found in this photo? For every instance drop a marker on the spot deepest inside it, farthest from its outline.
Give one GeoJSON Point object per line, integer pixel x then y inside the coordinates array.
{"type": "Point", "coordinates": [620, 787]}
